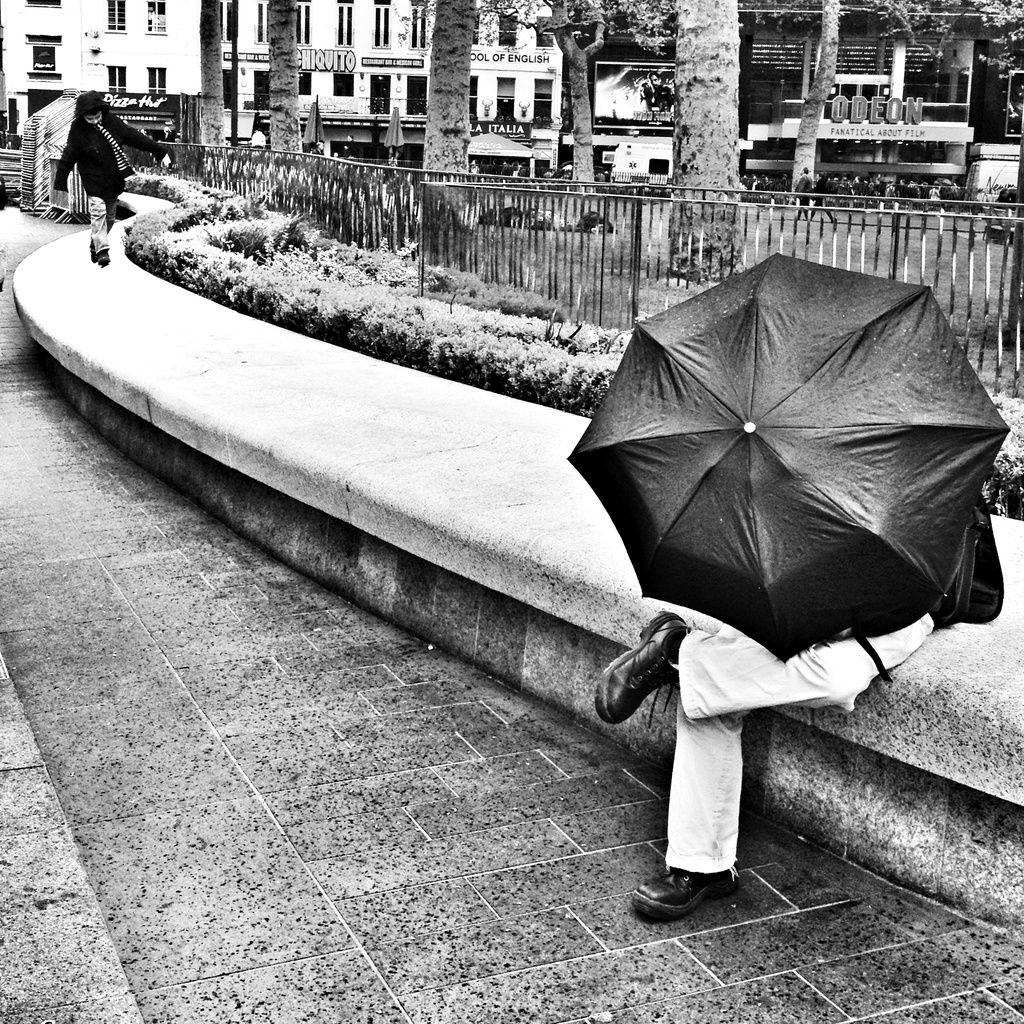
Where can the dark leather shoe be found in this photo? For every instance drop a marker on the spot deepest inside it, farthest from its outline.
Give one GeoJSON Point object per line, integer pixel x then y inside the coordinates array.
{"type": "Point", "coordinates": [630, 678]}
{"type": "Point", "coordinates": [676, 893]}
{"type": "Point", "coordinates": [103, 258]}
{"type": "Point", "coordinates": [92, 253]}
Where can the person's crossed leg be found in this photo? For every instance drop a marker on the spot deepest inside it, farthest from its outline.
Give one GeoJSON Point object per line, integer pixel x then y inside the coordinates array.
{"type": "Point", "coordinates": [720, 678]}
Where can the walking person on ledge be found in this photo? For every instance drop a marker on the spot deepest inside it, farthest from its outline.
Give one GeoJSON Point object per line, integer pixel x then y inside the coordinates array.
{"type": "Point", "coordinates": [721, 677]}
{"type": "Point", "coordinates": [95, 143]}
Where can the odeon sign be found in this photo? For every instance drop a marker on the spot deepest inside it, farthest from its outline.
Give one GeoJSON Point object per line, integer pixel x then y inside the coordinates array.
{"type": "Point", "coordinates": [877, 110]}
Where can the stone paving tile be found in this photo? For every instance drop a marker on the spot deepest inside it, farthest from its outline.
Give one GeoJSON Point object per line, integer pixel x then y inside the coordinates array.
{"type": "Point", "coordinates": [972, 1008]}
{"type": "Point", "coordinates": [381, 866]}
{"type": "Point", "coordinates": [344, 800]}
{"type": "Point", "coordinates": [339, 987]}
{"type": "Point", "coordinates": [793, 941]}
{"type": "Point", "coordinates": [616, 826]}
{"type": "Point", "coordinates": [17, 744]}
{"type": "Point", "coordinates": [490, 774]}
{"type": "Point", "coordinates": [575, 988]}
{"type": "Point", "coordinates": [925, 970]}
{"type": "Point", "coordinates": [27, 802]}
{"type": "Point", "coordinates": [117, 1009]}
{"type": "Point", "coordinates": [568, 880]}
{"type": "Point", "coordinates": [204, 892]}
{"type": "Point", "coordinates": [53, 946]}
{"type": "Point", "coordinates": [405, 913]}
{"type": "Point", "coordinates": [134, 756]}
{"type": "Point", "coordinates": [613, 920]}
{"type": "Point", "coordinates": [540, 800]}
{"type": "Point", "coordinates": [464, 952]}
{"type": "Point", "coordinates": [783, 999]}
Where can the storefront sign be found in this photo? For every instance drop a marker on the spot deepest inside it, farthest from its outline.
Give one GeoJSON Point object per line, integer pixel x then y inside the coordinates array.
{"type": "Point", "coordinates": [392, 62]}
{"type": "Point", "coordinates": [517, 131]}
{"type": "Point", "coordinates": [131, 104]}
{"type": "Point", "coordinates": [635, 94]}
{"type": "Point", "coordinates": [510, 59]}
{"type": "Point", "coordinates": [327, 60]}
{"type": "Point", "coordinates": [250, 57]}
{"type": "Point", "coordinates": [44, 58]}
{"type": "Point", "coordinates": [877, 110]}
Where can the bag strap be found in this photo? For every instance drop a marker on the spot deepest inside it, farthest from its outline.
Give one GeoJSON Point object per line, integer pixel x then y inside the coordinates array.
{"type": "Point", "coordinates": [858, 635]}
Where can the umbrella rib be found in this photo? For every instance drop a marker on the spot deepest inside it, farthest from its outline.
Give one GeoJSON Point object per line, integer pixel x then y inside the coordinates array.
{"type": "Point", "coordinates": [849, 339]}
{"type": "Point", "coordinates": [826, 497]}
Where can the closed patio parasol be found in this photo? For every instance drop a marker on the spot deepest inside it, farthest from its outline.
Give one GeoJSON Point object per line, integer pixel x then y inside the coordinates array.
{"type": "Point", "coordinates": [394, 138]}
{"type": "Point", "coordinates": [314, 133]}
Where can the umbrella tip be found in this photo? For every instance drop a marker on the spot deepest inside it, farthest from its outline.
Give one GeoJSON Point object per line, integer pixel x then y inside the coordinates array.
{"type": "Point", "coordinates": [749, 427]}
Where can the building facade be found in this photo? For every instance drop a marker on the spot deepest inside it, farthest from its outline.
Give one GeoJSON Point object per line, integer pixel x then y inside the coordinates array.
{"type": "Point", "coordinates": [144, 53]}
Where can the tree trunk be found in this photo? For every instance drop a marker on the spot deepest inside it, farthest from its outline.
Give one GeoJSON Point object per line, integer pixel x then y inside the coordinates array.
{"type": "Point", "coordinates": [814, 101]}
{"type": "Point", "coordinates": [446, 138]}
{"type": "Point", "coordinates": [211, 113]}
{"type": "Point", "coordinates": [705, 146]}
{"type": "Point", "coordinates": [282, 16]}
{"type": "Point", "coordinates": [579, 88]}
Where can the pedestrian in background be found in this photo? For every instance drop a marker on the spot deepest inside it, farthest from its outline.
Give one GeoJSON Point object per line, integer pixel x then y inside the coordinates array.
{"type": "Point", "coordinates": [95, 145]}
{"type": "Point", "coordinates": [802, 188]}
{"type": "Point", "coordinates": [3, 193]}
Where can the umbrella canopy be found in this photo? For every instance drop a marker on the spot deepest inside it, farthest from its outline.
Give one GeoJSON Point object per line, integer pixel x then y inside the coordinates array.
{"type": "Point", "coordinates": [314, 132]}
{"type": "Point", "coordinates": [795, 451]}
{"type": "Point", "coordinates": [393, 138]}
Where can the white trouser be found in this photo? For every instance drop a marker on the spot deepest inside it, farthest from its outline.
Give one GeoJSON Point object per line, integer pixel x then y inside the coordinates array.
{"type": "Point", "coordinates": [724, 675]}
{"type": "Point", "coordinates": [102, 214]}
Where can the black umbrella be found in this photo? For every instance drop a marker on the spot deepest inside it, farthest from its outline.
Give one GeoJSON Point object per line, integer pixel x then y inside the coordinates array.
{"type": "Point", "coordinates": [795, 451]}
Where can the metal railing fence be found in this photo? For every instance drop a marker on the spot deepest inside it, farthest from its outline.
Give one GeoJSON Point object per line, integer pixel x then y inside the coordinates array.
{"type": "Point", "coordinates": [609, 253]}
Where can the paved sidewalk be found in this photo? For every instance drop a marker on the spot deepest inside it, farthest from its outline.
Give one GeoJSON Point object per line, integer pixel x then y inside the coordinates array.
{"type": "Point", "coordinates": [253, 802]}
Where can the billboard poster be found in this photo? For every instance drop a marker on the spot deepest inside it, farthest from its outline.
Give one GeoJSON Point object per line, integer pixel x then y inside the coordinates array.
{"type": "Point", "coordinates": [635, 94]}
{"type": "Point", "coordinates": [1015, 104]}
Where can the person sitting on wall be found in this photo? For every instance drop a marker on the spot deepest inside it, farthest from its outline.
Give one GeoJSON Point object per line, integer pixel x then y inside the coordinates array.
{"type": "Point", "coordinates": [94, 145]}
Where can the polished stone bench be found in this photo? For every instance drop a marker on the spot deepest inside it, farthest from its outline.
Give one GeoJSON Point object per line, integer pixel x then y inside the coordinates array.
{"type": "Point", "coordinates": [454, 513]}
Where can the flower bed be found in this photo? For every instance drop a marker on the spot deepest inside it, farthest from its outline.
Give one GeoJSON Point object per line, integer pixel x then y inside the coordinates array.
{"type": "Point", "coordinates": [280, 270]}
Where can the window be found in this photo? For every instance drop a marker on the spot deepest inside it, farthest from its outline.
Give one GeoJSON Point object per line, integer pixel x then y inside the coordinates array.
{"type": "Point", "coordinates": [261, 89]}
{"type": "Point", "coordinates": [345, 13]}
{"type": "Point", "coordinates": [544, 37]}
{"type": "Point", "coordinates": [157, 79]}
{"type": "Point", "coordinates": [117, 78]}
{"type": "Point", "coordinates": [260, 35]}
{"type": "Point", "coordinates": [542, 95]}
{"type": "Point", "coordinates": [302, 36]}
{"type": "Point", "coordinates": [227, 12]}
{"type": "Point", "coordinates": [42, 3]}
{"type": "Point", "coordinates": [382, 24]}
{"type": "Point", "coordinates": [305, 83]}
{"type": "Point", "coordinates": [419, 27]}
{"type": "Point", "coordinates": [115, 15]}
{"type": "Point", "coordinates": [506, 109]}
{"type": "Point", "coordinates": [508, 30]}
{"type": "Point", "coordinates": [344, 85]}
{"type": "Point", "coordinates": [474, 95]}
{"type": "Point", "coordinates": [416, 95]}
{"type": "Point", "coordinates": [476, 29]}
{"type": "Point", "coordinates": [156, 16]}
{"type": "Point", "coordinates": [44, 59]}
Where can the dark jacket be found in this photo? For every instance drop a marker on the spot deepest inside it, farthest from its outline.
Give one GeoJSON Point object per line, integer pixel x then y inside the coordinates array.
{"type": "Point", "coordinates": [86, 147]}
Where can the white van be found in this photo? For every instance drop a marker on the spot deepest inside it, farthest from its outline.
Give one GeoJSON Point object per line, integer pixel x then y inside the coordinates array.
{"type": "Point", "coordinates": [643, 161]}
{"type": "Point", "coordinates": [992, 169]}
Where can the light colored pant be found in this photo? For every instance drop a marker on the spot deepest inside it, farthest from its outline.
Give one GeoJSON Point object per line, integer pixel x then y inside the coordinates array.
{"type": "Point", "coordinates": [722, 676]}
{"type": "Point", "coordinates": [102, 214]}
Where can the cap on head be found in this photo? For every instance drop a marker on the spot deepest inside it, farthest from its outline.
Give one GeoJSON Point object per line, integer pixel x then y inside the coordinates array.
{"type": "Point", "coordinates": [89, 102]}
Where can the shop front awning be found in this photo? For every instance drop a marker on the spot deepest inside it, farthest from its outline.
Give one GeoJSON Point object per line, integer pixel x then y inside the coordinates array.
{"type": "Point", "coordinates": [497, 146]}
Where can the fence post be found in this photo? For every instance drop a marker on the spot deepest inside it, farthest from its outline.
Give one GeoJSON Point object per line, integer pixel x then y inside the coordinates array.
{"type": "Point", "coordinates": [420, 187]}
{"type": "Point", "coordinates": [894, 261]}
{"type": "Point", "coordinates": [634, 270]}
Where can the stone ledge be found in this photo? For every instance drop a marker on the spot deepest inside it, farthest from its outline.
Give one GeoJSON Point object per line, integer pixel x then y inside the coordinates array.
{"type": "Point", "coordinates": [454, 512]}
